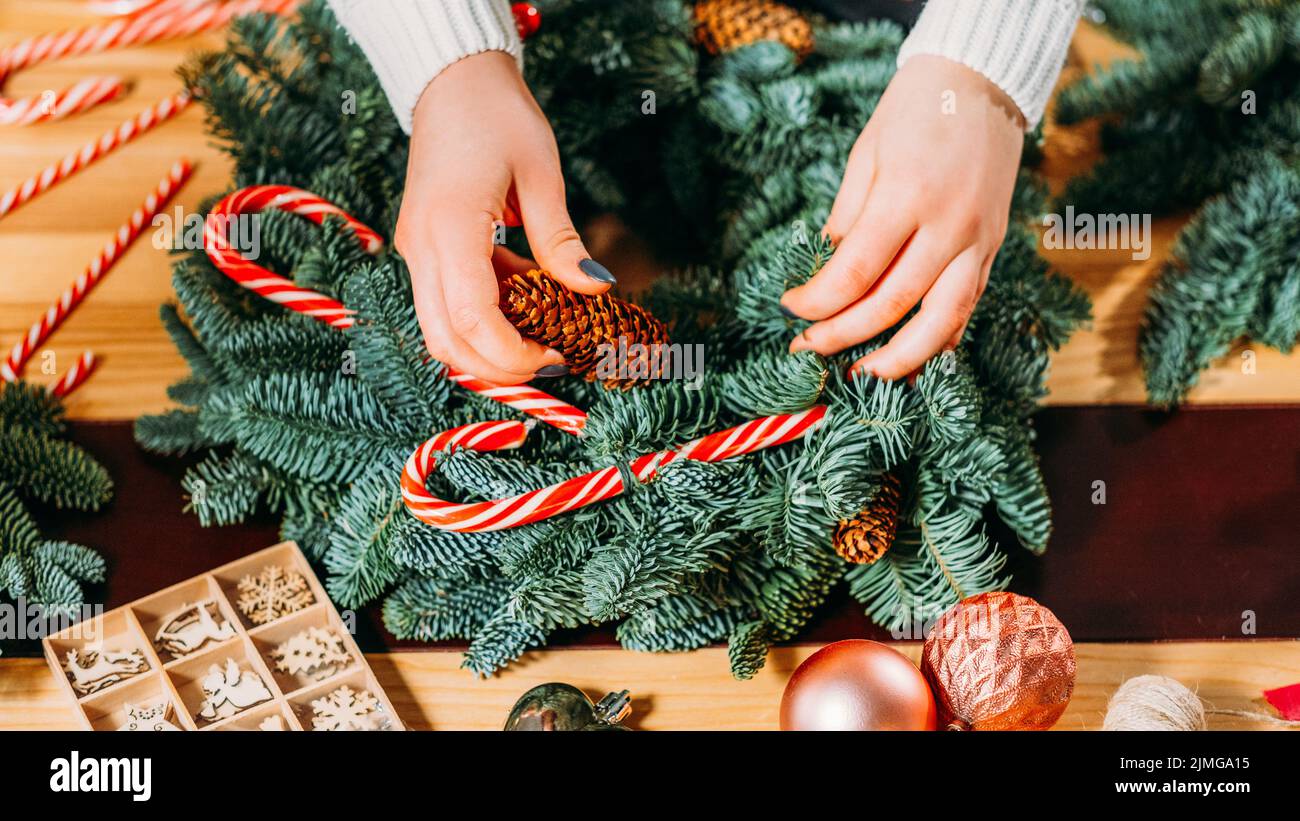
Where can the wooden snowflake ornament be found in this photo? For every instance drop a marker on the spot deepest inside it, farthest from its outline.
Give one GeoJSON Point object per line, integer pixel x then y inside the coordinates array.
{"type": "Point", "coordinates": [315, 652]}
{"type": "Point", "coordinates": [272, 593]}
{"type": "Point", "coordinates": [346, 709]}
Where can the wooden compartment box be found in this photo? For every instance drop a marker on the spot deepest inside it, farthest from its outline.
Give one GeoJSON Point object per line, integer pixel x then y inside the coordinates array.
{"type": "Point", "coordinates": [252, 645]}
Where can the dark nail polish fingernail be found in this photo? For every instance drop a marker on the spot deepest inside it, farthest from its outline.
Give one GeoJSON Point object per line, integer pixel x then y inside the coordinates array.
{"type": "Point", "coordinates": [553, 370]}
{"type": "Point", "coordinates": [789, 314]}
{"type": "Point", "coordinates": [596, 271]}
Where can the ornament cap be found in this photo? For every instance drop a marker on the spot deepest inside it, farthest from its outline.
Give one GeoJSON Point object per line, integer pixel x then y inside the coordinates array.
{"type": "Point", "coordinates": [614, 707]}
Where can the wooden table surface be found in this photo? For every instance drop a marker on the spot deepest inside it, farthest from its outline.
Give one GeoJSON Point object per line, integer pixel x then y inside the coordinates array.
{"type": "Point", "coordinates": [694, 691]}
{"type": "Point", "coordinates": [48, 242]}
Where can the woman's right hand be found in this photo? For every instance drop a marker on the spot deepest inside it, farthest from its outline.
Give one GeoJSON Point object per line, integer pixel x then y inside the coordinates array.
{"type": "Point", "coordinates": [483, 154]}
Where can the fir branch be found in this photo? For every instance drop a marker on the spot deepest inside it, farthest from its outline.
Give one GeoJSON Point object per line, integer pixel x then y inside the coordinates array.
{"type": "Point", "coordinates": [52, 470]}
{"type": "Point", "coordinates": [173, 432]}
{"type": "Point", "coordinates": [1235, 62]}
{"type": "Point", "coordinates": [426, 609]}
{"type": "Point", "coordinates": [747, 649]}
{"type": "Point", "coordinates": [427, 550]}
{"type": "Point", "coordinates": [323, 427]}
{"type": "Point", "coordinates": [677, 623]}
{"type": "Point", "coordinates": [30, 408]}
{"type": "Point", "coordinates": [659, 415]}
{"type": "Point", "coordinates": [1211, 289]}
{"type": "Point", "coordinates": [359, 559]}
{"type": "Point", "coordinates": [498, 642]}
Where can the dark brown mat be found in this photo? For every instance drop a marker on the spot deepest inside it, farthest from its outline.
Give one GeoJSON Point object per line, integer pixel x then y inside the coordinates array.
{"type": "Point", "coordinates": [1201, 525]}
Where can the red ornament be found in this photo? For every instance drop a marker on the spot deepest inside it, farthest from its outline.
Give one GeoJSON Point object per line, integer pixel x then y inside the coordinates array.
{"type": "Point", "coordinates": [998, 661]}
{"type": "Point", "coordinates": [857, 685]}
{"type": "Point", "coordinates": [527, 19]}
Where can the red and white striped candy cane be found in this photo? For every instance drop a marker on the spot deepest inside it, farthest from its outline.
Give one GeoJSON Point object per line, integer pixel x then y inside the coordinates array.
{"type": "Point", "coordinates": [159, 21]}
{"type": "Point", "coordinates": [527, 399]}
{"type": "Point", "coordinates": [497, 514]}
{"type": "Point", "coordinates": [580, 491]}
{"type": "Point", "coordinates": [276, 288]}
{"type": "Point", "coordinates": [216, 241]}
{"type": "Point", "coordinates": [54, 173]}
{"type": "Point", "coordinates": [98, 268]}
{"type": "Point", "coordinates": [117, 8]}
{"type": "Point", "coordinates": [75, 376]}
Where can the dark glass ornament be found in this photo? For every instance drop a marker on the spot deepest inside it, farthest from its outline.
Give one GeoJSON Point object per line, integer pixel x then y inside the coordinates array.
{"type": "Point", "coordinates": [559, 707]}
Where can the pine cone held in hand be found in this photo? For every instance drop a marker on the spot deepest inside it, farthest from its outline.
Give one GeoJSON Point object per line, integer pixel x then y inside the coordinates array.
{"type": "Point", "coordinates": [587, 329]}
{"type": "Point", "coordinates": [724, 25]}
{"type": "Point", "coordinates": [867, 536]}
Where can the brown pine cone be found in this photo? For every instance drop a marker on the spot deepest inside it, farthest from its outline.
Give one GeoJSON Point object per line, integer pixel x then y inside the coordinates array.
{"type": "Point", "coordinates": [724, 25]}
{"type": "Point", "coordinates": [587, 329]}
{"type": "Point", "coordinates": [867, 536]}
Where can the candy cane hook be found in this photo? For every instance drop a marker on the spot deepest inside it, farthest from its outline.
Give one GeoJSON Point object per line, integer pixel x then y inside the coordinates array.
{"type": "Point", "coordinates": [332, 312]}
{"type": "Point", "coordinates": [496, 514]}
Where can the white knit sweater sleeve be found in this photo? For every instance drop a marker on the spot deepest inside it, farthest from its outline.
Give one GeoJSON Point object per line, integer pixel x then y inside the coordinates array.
{"type": "Point", "coordinates": [1019, 45]}
{"type": "Point", "coordinates": [409, 42]}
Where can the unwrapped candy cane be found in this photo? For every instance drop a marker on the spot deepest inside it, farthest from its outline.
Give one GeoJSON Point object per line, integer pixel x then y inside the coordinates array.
{"type": "Point", "coordinates": [163, 20]}
{"type": "Point", "coordinates": [216, 242]}
{"type": "Point", "coordinates": [109, 141]}
{"type": "Point", "coordinates": [76, 292]}
{"type": "Point", "coordinates": [496, 514]}
{"type": "Point", "coordinates": [580, 491]}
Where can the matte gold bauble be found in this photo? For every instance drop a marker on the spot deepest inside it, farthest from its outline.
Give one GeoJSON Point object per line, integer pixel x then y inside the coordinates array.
{"type": "Point", "coordinates": [857, 685]}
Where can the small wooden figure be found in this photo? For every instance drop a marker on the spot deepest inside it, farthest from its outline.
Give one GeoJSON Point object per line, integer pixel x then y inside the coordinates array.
{"type": "Point", "coordinates": [147, 718]}
{"type": "Point", "coordinates": [272, 593]}
{"type": "Point", "coordinates": [346, 709]}
{"type": "Point", "coordinates": [315, 652]}
{"type": "Point", "coordinates": [191, 626]}
{"type": "Point", "coordinates": [94, 668]}
{"type": "Point", "coordinates": [229, 690]}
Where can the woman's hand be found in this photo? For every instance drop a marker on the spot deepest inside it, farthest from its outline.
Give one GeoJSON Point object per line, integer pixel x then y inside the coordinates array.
{"type": "Point", "coordinates": [482, 154]}
{"type": "Point", "coordinates": [919, 217]}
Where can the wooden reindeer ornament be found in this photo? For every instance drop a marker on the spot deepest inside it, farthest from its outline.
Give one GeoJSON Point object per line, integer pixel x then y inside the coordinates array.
{"type": "Point", "coordinates": [95, 668]}
{"type": "Point", "coordinates": [190, 627]}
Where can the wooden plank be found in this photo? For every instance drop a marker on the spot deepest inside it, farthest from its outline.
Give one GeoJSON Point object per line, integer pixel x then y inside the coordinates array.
{"type": "Point", "coordinates": [694, 691]}
{"type": "Point", "coordinates": [48, 242]}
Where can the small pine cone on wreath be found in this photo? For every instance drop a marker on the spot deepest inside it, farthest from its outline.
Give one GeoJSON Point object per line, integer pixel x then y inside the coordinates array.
{"type": "Point", "coordinates": [868, 536]}
{"type": "Point", "coordinates": [725, 25]}
{"type": "Point", "coordinates": [601, 337]}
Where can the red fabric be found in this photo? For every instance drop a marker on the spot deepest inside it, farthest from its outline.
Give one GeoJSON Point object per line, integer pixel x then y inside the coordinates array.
{"type": "Point", "coordinates": [1286, 700]}
{"type": "Point", "coordinates": [1198, 529]}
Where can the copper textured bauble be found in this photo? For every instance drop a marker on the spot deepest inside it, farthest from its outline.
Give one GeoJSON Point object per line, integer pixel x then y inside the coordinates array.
{"type": "Point", "coordinates": [857, 685]}
{"type": "Point", "coordinates": [998, 661]}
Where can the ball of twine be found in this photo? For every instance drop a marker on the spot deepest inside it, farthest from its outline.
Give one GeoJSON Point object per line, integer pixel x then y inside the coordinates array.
{"type": "Point", "coordinates": [1154, 703]}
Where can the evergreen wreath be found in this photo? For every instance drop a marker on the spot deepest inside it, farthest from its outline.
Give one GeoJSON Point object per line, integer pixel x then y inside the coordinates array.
{"type": "Point", "coordinates": [1217, 91]}
{"type": "Point", "coordinates": [38, 465]}
{"type": "Point", "coordinates": [727, 163]}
